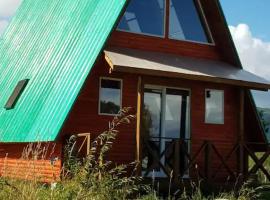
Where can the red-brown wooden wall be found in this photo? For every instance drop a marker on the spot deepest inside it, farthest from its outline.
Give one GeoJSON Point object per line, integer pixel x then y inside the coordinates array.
{"type": "Point", "coordinates": [84, 116]}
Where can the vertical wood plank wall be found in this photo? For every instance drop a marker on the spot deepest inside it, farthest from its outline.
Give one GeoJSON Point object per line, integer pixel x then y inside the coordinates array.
{"type": "Point", "coordinates": [85, 118]}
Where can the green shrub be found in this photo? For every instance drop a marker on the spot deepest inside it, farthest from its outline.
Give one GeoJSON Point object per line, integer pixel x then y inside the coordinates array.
{"type": "Point", "coordinates": [91, 178]}
{"type": "Point", "coordinates": [95, 177]}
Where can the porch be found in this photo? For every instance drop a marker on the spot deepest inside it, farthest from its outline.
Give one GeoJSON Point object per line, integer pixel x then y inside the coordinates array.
{"type": "Point", "coordinates": [218, 162]}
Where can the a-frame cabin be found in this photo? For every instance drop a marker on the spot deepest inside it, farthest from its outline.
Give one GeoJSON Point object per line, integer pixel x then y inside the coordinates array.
{"type": "Point", "coordinates": [68, 66]}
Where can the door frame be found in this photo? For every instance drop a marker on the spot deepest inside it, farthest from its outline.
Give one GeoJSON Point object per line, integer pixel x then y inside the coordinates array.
{"type": "Point", "coordinates": [163, 88]}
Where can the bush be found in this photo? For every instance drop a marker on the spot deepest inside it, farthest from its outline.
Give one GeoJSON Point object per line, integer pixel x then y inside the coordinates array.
{"type": "Point", "coordinates": [94, 177]}
{"type": "Point", "coordinates": [91, 178]}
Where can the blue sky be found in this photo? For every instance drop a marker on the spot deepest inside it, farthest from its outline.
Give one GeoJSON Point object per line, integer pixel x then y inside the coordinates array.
{"type": "Point", "coordinates": [255, 13]}
{"type": "Point", "coordinates": [249, 23]}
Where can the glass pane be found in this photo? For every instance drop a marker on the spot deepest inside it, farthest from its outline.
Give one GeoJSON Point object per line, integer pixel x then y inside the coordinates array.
{"type": "Point", "coordinates": [152, 113]}
{"type": "Point", "coordinates": [145, 17]}
{"type": "Point", "coordinates": [151, 158]}
{"type": "Point", "coordinates": [175, 113]}
{"type": "Point", "coordinates": [110, 96]}
{"type": "Point", "coordinates": [185, 23]}
{"type": "Point", "coordinates": [214, 107]}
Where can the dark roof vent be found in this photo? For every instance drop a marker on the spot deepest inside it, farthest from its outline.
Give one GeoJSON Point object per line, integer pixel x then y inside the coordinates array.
{"type": "Point", "coordinates": [16, 94]}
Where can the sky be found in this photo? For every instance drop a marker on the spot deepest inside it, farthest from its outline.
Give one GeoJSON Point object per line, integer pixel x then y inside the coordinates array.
{"type": "Point", "coordinates": [249, 23]}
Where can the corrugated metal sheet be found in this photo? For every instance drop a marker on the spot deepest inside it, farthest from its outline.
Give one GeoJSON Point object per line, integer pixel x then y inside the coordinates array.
{"type": "Point", "coordinates": [162, 64]}
{"type": "Point", "coordinates": [54, 44]}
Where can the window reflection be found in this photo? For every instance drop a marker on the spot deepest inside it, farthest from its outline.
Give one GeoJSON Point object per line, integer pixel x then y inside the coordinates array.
{"type": "Point", "coordinates": [152, 113]}
{"type": "Point", "coordinates": [176, 111]}
{"type": "Point", "coordinates": [110, 96]}
{"type": "Point", "coordinates": [146, 17]}
{"type": "Point", "coordinates": [185, 23]}
{"type": "Point", "coordinates": [214, 106]}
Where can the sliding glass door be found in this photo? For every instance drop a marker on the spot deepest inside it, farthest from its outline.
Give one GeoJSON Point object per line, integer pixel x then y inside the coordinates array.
{"type": "Point", "coordinates": [165, 120]}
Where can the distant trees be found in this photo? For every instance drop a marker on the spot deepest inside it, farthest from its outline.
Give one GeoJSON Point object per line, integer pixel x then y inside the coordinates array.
{"type": "Point", "coordinates": [264, 122]}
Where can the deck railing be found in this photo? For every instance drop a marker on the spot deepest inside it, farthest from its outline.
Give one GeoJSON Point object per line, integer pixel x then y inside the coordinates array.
{"type": "Point", "coordinates": [210, 160]}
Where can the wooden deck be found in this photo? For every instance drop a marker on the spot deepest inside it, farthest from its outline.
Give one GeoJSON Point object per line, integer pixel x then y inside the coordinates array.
{"type": "Point", "coordinates": [209, 162]}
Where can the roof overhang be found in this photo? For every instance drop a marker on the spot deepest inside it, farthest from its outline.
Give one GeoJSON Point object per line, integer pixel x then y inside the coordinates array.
{"type": "Point", "coordinates": [175, 66]}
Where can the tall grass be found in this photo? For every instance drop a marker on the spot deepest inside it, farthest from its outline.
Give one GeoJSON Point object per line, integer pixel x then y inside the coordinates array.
{"type": "Point", "coordinates": [93, 177]}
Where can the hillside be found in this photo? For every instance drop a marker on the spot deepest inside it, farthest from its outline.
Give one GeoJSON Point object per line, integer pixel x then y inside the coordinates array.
{"type": "Point", "coordinates": [265, 112]}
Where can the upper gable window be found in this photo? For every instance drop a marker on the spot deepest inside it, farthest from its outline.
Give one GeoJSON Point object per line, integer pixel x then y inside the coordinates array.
{"type": "Point", "coordinates": [144, 17]}
{"type": "Point", "coordinates": [185, 22]}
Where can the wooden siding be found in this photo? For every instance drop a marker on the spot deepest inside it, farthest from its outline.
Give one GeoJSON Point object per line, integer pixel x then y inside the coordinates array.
{"type": "Point", "coordinates": [85, 118]}
{"type": "Point", "coordinates": [221, 49]}
{"type": "Point", "coordinates": [164, 45]}
{"type": "Point", "coordinates": [223, 136]}
{"type": "Point", "coordinates": [16, 164]}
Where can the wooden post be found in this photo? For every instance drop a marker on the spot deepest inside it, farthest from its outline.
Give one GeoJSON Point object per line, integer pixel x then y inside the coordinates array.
{"type": "Point", "coordinates": [241, 133]}
{"type": "Point", "coordinates": [86, 140]}
{"type": "Point", "coordinates": [176, 164]}
{"type": "Point", "coordinates": [207, 161]}
{"type": "Point", "coordinates": [138, 124]}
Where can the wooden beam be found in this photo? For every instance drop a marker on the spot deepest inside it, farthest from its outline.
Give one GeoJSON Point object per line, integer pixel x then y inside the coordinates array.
{"type": "Point", "coordinates": [87, 140]}
{"type": "Point", "coordinates": [241, 132]}
{"type": "Point", "coordinates": [242, 108]}
{"type": "Point", "coordinates": [189, 76]}
{"type": "Point", "coordinates": [138, 123]}
{"type": "Point", "coordinates": [176, 164]}
{"type": "Point", "coordinates": [110, 63]}
{"type": "Point", "coordinates": [207, 161]}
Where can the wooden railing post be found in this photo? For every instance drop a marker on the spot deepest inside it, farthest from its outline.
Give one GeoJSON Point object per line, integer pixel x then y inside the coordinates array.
{"type": "Point", "coordinates": [138, 126]}
{"type": "Point", "coordinates": [241, 135]}
{"type": "Point", "coordinates": [176, 164]}
{"type": "Point", "coordinates": [207, 161]}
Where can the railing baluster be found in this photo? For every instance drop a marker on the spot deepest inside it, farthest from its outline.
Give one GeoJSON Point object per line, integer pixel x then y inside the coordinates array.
{"type": "Point", "coordinates": [176, 165]}
{"type": "Point", "coordinates": [207, 160]}
{"type": "Point", "coordinates": [179, 160]}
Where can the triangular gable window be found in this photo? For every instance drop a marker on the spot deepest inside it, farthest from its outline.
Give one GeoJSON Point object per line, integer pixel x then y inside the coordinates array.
{"type": "Point", "coordinates": [148, 17]}
{"type": "Point", "coordinates": [144, 17]}
{"type": "Point", "coordinates": [185, 22]}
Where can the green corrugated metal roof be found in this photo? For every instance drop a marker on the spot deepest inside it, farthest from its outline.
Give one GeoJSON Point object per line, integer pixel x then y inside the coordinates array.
{"type": "Point", "coordinates": [54, 44]}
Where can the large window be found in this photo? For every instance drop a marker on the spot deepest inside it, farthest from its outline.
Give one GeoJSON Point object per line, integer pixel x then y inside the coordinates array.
{"type": "Point", "coordinates": [185, 23]}
{"type": "Point", "coordinates": [144, 17]}
{"type": "Point", "coordinates": [110, 96]}
{"type": "Point", "coordinates": [148, 17]}
{"type": "Point", "coordinates": [214, 106]}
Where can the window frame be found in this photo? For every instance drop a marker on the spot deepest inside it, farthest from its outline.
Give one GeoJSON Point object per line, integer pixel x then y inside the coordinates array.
{"type": "Point", "coordinates": [205, 25]}
{"type": "Point", "coordinates": [99, 98]}
{"type": "Point", "coordinates": [166, 25]}
{"type": "Point", "coordinates": [149, 34]}
{"type": "Point", "coordinates": [223, 107]}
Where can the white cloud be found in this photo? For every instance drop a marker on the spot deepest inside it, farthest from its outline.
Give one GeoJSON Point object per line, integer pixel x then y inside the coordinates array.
{"type": "Point", "coordinates": [255, 57]}
{"type": "Point", "coordinates": [254, 53]}
{"type": "Point", "coordinates": [8, 7]}
{"type": "Point", "coordinates": [3, 25]}
{"type": "Point", "coordinates": [7, 10]}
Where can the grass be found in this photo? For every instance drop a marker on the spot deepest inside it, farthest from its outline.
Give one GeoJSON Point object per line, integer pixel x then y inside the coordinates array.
{"type": "Point", "coordinates": [97, 178]}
